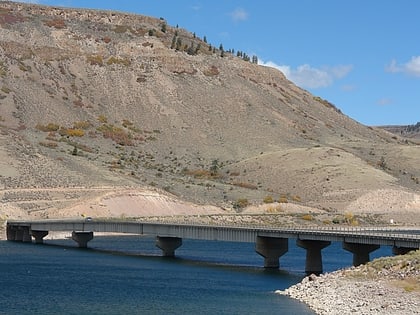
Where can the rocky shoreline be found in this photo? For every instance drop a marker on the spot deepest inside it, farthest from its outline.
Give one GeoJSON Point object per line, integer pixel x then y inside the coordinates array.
{"type": "Point", "coordinates": [388, 285]}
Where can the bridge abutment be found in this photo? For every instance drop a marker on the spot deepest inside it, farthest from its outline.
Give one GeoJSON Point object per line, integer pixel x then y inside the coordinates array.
{"type": "Point", "coordinates": [313, 248]}
{"type": "Point", "coordinates": [39, 236]}
{"type": "Point", "coordinates": [82, 238]}
{"type": "Point", "coordinates": [168, 244]}
{"type": "Point", "coordinates": [271, 248]}
{"type": "Point", "coordinates": [360, 252]}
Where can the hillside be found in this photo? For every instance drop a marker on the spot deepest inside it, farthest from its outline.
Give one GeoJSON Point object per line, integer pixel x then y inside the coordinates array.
{"type": "Point", "coordinates": [95, 105]}
{"type": "Point", "coordinates": [409, 131]}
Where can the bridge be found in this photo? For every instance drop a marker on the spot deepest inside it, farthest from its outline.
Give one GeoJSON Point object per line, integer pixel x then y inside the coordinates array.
{"type": "Point", "coordinates": [270, 242]}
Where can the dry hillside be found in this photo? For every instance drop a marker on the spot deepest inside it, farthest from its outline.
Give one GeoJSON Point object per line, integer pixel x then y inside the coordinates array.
{"type": "Point", "coordinates": [98, 107]}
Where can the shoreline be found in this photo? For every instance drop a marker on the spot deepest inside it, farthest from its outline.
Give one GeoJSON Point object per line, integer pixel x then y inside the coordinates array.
{"type": "Point", "coordinates": [388, 285]}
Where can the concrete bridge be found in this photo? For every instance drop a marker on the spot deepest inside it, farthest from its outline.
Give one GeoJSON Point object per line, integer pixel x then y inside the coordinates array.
{"type": "Point", "coordinates": [271, 243]}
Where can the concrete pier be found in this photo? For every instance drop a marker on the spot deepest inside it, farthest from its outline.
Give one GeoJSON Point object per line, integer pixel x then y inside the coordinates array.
{"type": "Point", "coordinates": [313, 254]}
{"type": "Point", "coordinates": [82, 238]}
{"type": "Point", "coordinates": [39, 236]}
{"type": "Point", "coordinates": [271, 248]}
{"type": "Point", "coordinates": [168, 245]}
{"type": "Point", "coordinates": [11, 233]}
{"type": "Point", "coordinates": [26, 237]}
{"type": "Point", "coordinates": [360, 252]}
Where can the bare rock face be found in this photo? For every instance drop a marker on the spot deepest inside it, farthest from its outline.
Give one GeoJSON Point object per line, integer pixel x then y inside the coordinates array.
{"type": "Point", "coordinates": [107, 99]}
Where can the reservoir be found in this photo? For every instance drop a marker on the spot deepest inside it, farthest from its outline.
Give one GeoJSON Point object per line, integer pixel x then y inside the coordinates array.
{"type": "Point", "coordinates": [126, 275]}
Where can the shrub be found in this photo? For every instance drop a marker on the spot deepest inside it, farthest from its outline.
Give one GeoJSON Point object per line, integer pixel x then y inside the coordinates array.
{"type": "Point", "coordinates": [71, 132]}
{"type": "Point", "coordinates": [272, 209]}
{"type": "Point", "coordinates": [102, 119]}
{"type": "Point", "coordinates": [212, 71]}
{"type": "Point", "coordinates": [56, 23]}
{"type": "Point", "coordinates": [5, 89]}
{"type": "Point", "coordinates": [95, 60]}
{"type": "Point", "coordinates": [199, 173]}
{"type": "Point", "coordinates": [241, 203]}
{"type": "Point", "coordinates": [307, 217]}
{"type": "Point", "coordinates": [118, 135]}
{"type": "Point", "coordinates": [268, 199]}
{"type": "Point", "coordinates": [296, 198]}
{"type": "Point", "coordinates": [119, 61]}
{"type": "Point", "coordinates": [283, 199]}
{"type": "Point", "coordinates": [3, 69]}
{"type": "Point", "coordinates": [48, 128]}
{"type": "Point", "coordinates": [82, 124]}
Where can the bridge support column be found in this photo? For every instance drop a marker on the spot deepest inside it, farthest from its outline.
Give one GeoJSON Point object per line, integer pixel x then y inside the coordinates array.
{"type": "Point", "coordinates": [11, 233]}
{"type": "Point", "coordinates": [39, 236]}
{"type": "Point", "coordinates": [313, 254]}
{"type": "Point", "coordinates": [18, 234]}
{"type": "Point", "coordinates": [26, 237]}
{"type": "Point", "coordinates": [271, 248]}
{"type": "Point", "coordinates": [402, 250]}
{"type": "Point", "coordinates": [82, 238]}
{"type": "Point", "coordinates": [168, 244]}
{"type": "Point", "coordinates": [360, 252]}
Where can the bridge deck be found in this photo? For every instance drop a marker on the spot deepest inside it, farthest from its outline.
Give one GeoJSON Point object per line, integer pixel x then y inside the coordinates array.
{"type": "Point", "coordinates": [391, 236]}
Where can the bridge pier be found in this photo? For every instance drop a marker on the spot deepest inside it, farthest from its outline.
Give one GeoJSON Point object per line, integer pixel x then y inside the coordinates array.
{"type": "Point", "coordinates": [11, 233]}
{"type": "Point", "coordinates": [82, 238]}
{"type": "Point", "coordinates": [313, 248]}
{"type": "Point", "coordinates": [26, 238]}
{"type": "Point", "coordinates": [168, 244]}
{"type": "Point", "coordinates": [39, 236]}
{"type": "Point", "coordinates": [19, 233]}
{"type": "Point", "coordinates": [396, 250]}
{"type": "Point", "coordinates": [360, 252]}
{"type": "Point", "coordinates": [271, 248]}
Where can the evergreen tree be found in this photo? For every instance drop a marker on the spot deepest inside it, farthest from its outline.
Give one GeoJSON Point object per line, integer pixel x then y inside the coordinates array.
{"type": "Point", "coordinates": [205, 39]}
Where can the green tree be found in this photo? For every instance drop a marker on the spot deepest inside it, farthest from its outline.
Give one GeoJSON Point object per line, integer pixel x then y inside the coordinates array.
{"type": "Point", "coordinates": [214, 168]}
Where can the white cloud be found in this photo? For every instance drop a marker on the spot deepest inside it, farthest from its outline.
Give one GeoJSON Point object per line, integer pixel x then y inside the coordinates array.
{"type": "Point", "coordinates": [239, 15]}
{"type": "Point", "coordinates": [384, 101]}
{"type": "Point", "coordinates": [412, 67]}
{"type": "Point", "coordinates": [307, 76]}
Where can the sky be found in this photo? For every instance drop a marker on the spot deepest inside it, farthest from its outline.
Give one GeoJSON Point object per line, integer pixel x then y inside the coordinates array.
{"type": "Point", "coordinates": [361, 55]}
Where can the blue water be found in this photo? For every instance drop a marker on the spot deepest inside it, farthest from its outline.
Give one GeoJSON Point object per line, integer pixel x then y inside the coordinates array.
{"type": "Point", "coordinates": [126, 275]}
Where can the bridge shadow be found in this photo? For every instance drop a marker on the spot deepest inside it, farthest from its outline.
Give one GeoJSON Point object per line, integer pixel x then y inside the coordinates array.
{"type": "Point", "coordinates": [181, 260]}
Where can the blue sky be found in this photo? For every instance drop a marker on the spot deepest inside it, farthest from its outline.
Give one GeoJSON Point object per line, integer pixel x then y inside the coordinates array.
{"type": "Point", "coordinates": [361, 55]}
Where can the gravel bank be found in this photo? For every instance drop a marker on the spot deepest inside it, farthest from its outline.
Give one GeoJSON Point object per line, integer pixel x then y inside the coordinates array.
{"type": "Point", "coordinates": [384, 286]}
